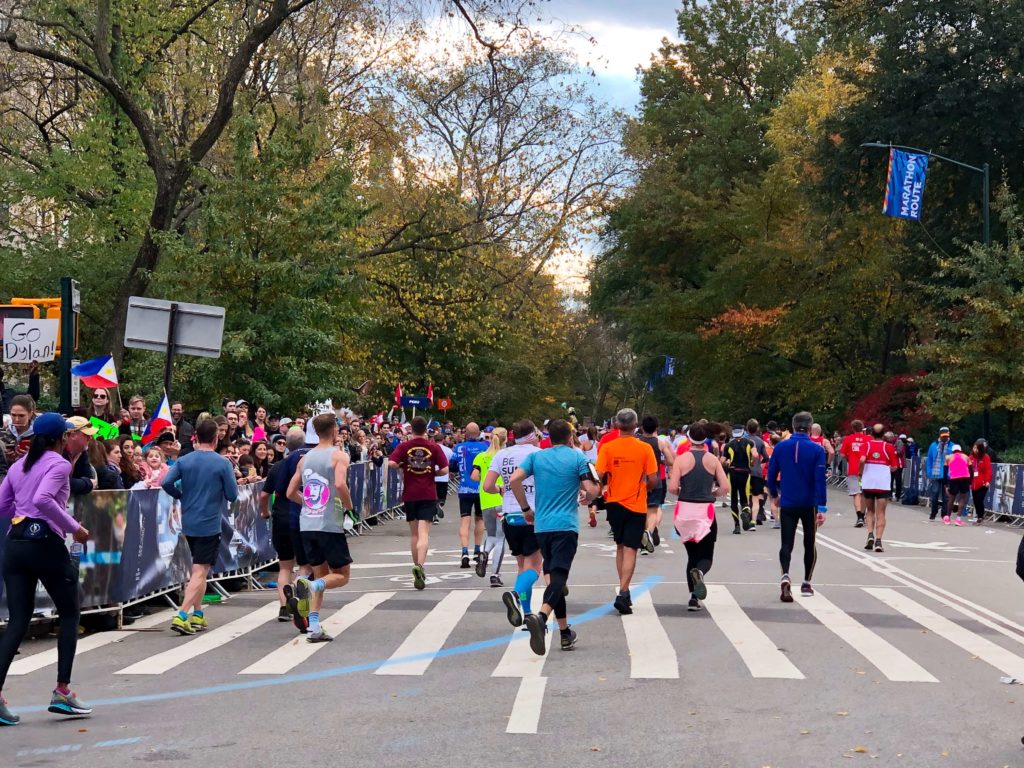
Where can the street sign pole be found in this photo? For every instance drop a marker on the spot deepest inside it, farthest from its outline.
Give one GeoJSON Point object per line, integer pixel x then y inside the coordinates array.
{"type": "Point", "coordinates": [172, 326]}
{"type": "Point", "coordinates": [70, 304]}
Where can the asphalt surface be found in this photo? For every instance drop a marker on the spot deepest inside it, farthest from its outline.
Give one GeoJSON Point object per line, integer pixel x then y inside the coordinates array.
{"type": "Point", "coordinates": [907, 675]}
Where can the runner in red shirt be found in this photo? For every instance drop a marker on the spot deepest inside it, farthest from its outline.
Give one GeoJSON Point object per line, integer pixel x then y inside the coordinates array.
{"type": "Point", "coordinates": [853, 449]}
{"type": "Point", "coordinates": [879, 460]}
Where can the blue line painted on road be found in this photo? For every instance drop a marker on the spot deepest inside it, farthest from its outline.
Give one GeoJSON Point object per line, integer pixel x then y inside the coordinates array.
{"type": "Point", "coordinates": [593, 613]}
{"type": "Point", "coordinates": [118, 742]}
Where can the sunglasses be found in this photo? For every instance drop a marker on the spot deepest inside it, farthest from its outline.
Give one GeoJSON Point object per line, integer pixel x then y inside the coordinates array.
{"type": "Point", "coordinates": [99, 397]}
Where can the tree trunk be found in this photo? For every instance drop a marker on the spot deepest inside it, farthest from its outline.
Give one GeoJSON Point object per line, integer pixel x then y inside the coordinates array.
{"type": "Point", "coordinates": [146, 259]}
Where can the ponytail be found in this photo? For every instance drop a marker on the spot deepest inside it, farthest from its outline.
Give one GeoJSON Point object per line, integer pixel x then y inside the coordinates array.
{"type": "Point", "coordinates": [498, 439]}
{"type": "Point", "coordinates": [40, 444]}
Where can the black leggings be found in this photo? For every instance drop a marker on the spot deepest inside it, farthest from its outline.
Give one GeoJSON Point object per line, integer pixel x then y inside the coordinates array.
{"type": "Point", "coordinates": [790, 516]}
{"type": "Point", "coordinates": [739, 482]}
{"type": "Point", "coordinates": [978, 496]}
{"type": "Point", "coordinates": [27, 562]}
{"type": "Point", "coordinates": [699, 554]}
{"type": "Point", "coordinates": [554, 594]}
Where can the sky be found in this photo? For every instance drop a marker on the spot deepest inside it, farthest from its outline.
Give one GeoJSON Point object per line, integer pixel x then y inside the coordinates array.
{"type": "Point", "coordinates": [626, 32]}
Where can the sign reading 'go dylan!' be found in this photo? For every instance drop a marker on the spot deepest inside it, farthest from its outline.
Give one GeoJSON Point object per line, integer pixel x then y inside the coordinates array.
{"type": "Point", "coordinates": [28, 341]}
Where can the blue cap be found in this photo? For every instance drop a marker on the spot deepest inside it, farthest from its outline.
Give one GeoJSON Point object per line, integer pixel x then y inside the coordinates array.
{"type": "Point", "coordinates": [51, 425]}
{"type": "Point", "coordinates": [943, 430]}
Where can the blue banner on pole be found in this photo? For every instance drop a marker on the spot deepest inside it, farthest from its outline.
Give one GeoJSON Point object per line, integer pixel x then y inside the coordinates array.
{"type": "Point", "coordinates": [904, 190]}
{"type": "Point", "coordinates": [670, 366]}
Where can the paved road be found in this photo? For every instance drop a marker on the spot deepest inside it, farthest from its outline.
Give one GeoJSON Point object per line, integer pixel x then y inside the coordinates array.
{"type": "Point", "coordinates": [896, 661]}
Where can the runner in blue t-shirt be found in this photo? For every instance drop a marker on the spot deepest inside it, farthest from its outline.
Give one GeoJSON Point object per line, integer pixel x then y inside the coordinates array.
{"type": "Point", "coordinates": [463, 455]}
{"type": "Point", "coordinates": [558, 473]}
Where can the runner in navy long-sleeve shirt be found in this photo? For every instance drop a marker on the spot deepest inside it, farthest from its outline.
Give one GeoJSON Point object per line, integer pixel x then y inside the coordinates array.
{"type": "Point", "coordinates": [796, 473]}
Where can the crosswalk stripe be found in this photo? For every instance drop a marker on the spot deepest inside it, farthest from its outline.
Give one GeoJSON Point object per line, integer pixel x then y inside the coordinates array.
{"type": "Point", "coordinates": [430, 635]}
{"type": "Point", "coordinates": [651, 653]}
{"type": "Point", "coordinates": [525, 715]}
{"type": "Point", "coordinates": [293, 653]}
{"type": "Point", "coordinates": [518, 660]}
{"type": "Point", "coordinates": [1009, 663]}
{"type": "Point", "coordinates": [758, 652]}
{"type": "Point", "coordinates": [45, 658]}
{"type": "Point", "coordinates": [889, 659]}
{"type": "Point", "coordinates": [204, 642]}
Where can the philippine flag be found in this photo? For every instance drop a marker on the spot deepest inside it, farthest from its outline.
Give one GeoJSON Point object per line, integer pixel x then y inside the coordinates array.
{"type": "Point", "coordinates": [158, 422]}
{"type": "Point", "coordinates": [98, 372]}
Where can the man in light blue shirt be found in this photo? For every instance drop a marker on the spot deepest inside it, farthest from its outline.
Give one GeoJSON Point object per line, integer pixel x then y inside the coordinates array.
{"type": "Point", "coordinates": [558, 473]}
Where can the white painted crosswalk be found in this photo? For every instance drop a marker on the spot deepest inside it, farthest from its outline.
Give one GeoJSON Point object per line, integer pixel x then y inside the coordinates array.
{"type": "Point", "coordinates": [877, 625]}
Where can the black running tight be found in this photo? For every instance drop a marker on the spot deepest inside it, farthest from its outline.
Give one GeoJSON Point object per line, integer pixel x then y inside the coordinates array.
{"type": "Point", "coordinates": [554, 595]}
{"type": "Point", "coordinates": [699, 554]}
{"type": "Point", "coordinates": [27, 562]}
{"type": "Point", "coordinates": [789, 517]}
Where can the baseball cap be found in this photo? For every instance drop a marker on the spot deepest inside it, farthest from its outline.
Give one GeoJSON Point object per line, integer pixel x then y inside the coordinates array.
{"type": "Point", "coordinates": [241, 402]}
{"type": "Point", "coordinates": [903, 436]}
{"type": "Point", "coordinates": [278, 438]}
{"type": "Point", "coordinates": [286, 421]}
{"type": "Point", "coordinates": [83, 425]}
{"type": "Point", "coordinates": [943, 430]}
{"type": "Point", "coordinates": [957, 448]}
{"type": "Point", "coordinates": [51, 425]}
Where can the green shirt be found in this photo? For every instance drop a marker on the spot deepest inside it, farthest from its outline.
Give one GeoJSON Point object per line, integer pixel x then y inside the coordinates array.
{"type": "Point", "coordinates": [482, 462]}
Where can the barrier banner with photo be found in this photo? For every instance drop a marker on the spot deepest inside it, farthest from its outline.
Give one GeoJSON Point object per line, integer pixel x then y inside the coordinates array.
{"type": "Point", "coordinates": [136, 547]}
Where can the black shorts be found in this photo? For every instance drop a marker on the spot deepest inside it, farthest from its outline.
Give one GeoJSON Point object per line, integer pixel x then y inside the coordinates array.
{"type": "Point", "coordinates": [203, 548]}
{"type": "Point", "coordinates": [442, 491]}
{"type": "Point", "coordinates": [559, 549]}
{"type": "Point", "coordinates": [756, 487]}
{"type": "Point", "coordinates": [598, 503]}
{"type": "Point", "coordinates": [656, 497]}
{"type": "Point", "coordinates": [875, 494]}
{"type": "Point", "coordinates": [420, 510]}
{"type": "Point", "coordinates": [521, 540]}
{"type": "Point", "coordinates": [627, 526]}
{"type": "Point", "coordinates": [281, 539]}
{"type": "Point", "coordinates": [323, 547]}
{"type": "Point", "coordinates": [960, 486]}
{"type": "Point", "coordinates": [469, 504]}
{"type": "Point", "coordinates": [298, 547]}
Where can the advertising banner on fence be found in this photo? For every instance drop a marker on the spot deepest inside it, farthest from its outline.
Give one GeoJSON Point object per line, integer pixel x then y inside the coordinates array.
{"type": "Point", "coordinates": [136, 547]}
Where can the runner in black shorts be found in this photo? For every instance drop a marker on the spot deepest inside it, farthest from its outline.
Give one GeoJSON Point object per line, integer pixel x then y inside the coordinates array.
{"type": "Point", "coordinates": [627, 526]}
{"type": "Point", "coordinates": [204, 549]}
{"type": "Point", "coordinates": [286, 540]}
{"type": "Point", "coordinates": [420, 510]}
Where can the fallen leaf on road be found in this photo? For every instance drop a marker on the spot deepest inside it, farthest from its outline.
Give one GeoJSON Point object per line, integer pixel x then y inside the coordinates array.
{"type": "Point", "coordinates": [945, 754]}
{"type": "Point", "coordinates": [860, 750]}
{"type": "Point", "coordinates": [860, 672]}
{"type": "Point", "coordinates": [83, 730]}
{"type": "Point", "coordinates": [842, 713]}
{"type": "Point", "coordinates": [804, 732]}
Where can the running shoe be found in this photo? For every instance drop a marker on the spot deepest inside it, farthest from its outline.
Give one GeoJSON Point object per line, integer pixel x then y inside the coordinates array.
{"type": "Point", "coordinates": [736, 530]}
{"type": "Point", "coordinates": [284, 614]}
{"type": "Point", "coordinates": [859, 523]}
{"type": "Point", "coordinates": [182, 626]}
{"type": "Point", "coordinates": [568, 638]}
{"type": "Point", "coordinates": [481, 565]}
{"type": "Point", "coordinates": [496, 581]}
{"type": "Point", "coordinates": [694, 605]}
{"type": "Point", "coordinates": [871, 542]}
{"type": "Point", "coordinates": [700, 589]}
{"type": "Point", "coordinates": [878, 545]}
{"type": "Point", "coordinates": [806, 589]}
{"type": "Point", "coordinates": [646, 543]}
{"type": "Point", "coordinates": [623, 604]}
{"type": "Point", "coordinates": [302, 595]}
{"type": "Point", "coordinates": [476, 556]}
{"type": "Point", "coordinates": [465, 561]}
{"type": "Point", "coordinates": [513, 607]}
{"type": "Point", "coordinates": [787, 591]}
{"type": "Point", "coordinates": [537, 630]}
{"type": "Point", "coordinates": [776, 525]}
{"type": "Point", "coordinates": [959, 521]}
{"type": "Point", "coordinates": [67, 704]}
{"type": "Point", "coordinates": [656, 537]}
{"type": "Point", "coordinates": [593, 520]}
{"type": "Point", "coordinates": [945, 519]}
{"type": "Point", "coordinates": [297, 618]}
{"type": "Point", "coordinates": [760, 517]}
{"type": "Point", "coordinates": [198, 622]}
{"type": "Point", "coordinates": [419, 577]}
{"type": "Point", "coordinates": [318, 637]}
{"type": "Point", "coordinates": [6, 716]}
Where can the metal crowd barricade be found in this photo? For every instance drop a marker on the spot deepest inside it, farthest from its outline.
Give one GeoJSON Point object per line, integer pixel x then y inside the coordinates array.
{"type": "Point", "coordinates": [1005, 498]}
{"type": "Point", "coordinates": [137, 551]}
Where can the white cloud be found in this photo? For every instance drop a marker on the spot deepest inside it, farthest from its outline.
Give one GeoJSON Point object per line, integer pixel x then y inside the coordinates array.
{"type": "Point", "coordinates": [617, 49]}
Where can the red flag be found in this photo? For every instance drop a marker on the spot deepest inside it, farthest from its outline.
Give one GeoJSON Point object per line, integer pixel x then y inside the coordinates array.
{"type": "Point", "coordinates": [398, 395]}
{"type": "Point", "coordinates": [430, 393]}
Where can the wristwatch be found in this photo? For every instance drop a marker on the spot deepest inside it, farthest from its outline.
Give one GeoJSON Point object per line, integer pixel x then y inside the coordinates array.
{"type": "Point", "coordinates": [525, 511]}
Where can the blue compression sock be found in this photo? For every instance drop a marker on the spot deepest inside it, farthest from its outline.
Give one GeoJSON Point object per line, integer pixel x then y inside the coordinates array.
{"type": "Point", "coordinates": [524, 588]}
{"type": "Point", "coordinates": [182, 615]}
{"type": "Point", "coordinates": [476, 549]}
{"type": "Point", "coordinates": [317, 585]}
{"type": "Point", "coordinates": [465, 551]}
{"type": "Point", "coordinates": [197, 614]}
{"type": "Point", "coordinates": [314, 622]}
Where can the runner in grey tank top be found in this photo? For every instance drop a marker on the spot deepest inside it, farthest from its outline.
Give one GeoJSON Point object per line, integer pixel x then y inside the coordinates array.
{"type": "Point", "coordinates": [697, 485]}
{"type": "Point", "coordinates": [320, 486]}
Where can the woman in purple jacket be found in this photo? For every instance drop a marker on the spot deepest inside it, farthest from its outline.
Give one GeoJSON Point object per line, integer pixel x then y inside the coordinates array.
{"type": "Point", "coordinates": [34, 495]}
